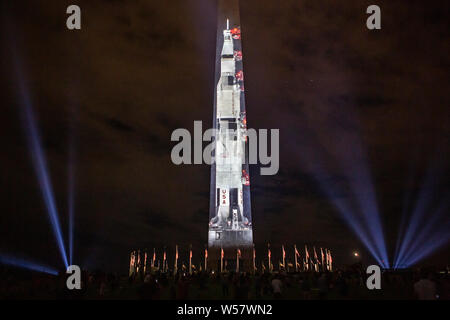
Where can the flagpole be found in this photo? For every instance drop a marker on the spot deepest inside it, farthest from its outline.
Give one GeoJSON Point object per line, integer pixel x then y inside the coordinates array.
{"type": "Point", "coordinates": [295, 254]}
{"type": "Point", "coordinates": [130, 273]}
{"type": "Point", "coordinates": [321, 257]}
{"type": "Point", "coordinates": [153, 258]}
{"type": "Point", "coordinates": [175, 267]}
{"type": "Point", "coordinates": [206, 258]}
{"type": "Point", "coordinates": [221, 259]}
{"type": "Point", "coordinates": [164, 260]}
{"type": "Point", "coordinates": [315, 259]}
{"type": "Point", "coordinates": [237, 260]}
{"type": "Point", "coordinates": [190, 259]}
{"type": "Point", "coordinates": [145, 261]}
{"type": "Point", "coordinates": [307, 258]}
{"type": "Point", "coordinates": [331, 261]}
{"type": "Point", "coordinates": [254, 259]}
{"type": "Point", "coordinates": [139, 261]}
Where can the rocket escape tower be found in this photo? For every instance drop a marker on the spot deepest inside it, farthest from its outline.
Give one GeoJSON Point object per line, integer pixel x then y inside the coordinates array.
{"type": "Point", "coordinates": [230, 223]}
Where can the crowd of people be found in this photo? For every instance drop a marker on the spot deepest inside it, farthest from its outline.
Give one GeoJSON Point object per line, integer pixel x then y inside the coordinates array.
{"type": "Point", "coordinates": [350, 283]}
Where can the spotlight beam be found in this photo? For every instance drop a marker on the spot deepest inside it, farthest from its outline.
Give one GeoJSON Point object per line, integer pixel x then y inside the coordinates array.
{"type": "Point", "coordinates": [407, 202]}
{"type": "Point", "coordinates": [39, 162]}
{"type": "Point", "coordinates": [22, 263]}
{"type": "Point", "coordinates": [416, 216]}
{"type": "Point", "coordinates": [44, 180]}
{"type": "Point", "coordinates": [430, 245]}
{"type": "Point", "coordinates": [352, 221]}
{"type": "Point", "coordinates": [364, 193]}
{"type": "Point", "coordinates": [420, 242]}
{"type": "Point", "coordinates": [71, 196]}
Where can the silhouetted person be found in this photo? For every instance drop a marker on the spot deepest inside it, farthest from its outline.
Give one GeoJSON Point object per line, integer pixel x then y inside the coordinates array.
{"type": "Point", "coordinates": [425, 288]}
{"type": "Point", "coordinates": [277, 287]}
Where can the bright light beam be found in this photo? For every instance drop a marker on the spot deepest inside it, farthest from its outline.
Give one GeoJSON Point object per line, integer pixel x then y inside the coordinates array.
{"type": "Point", "coordinates": [71, 196]}
{"type": "Point", "coordinates": [430, 245]}
{"type": "Point", "coordinates": [406, 207]}
{"type": "Point", "coordinates": [415, 221]}
{"type": "Point", "coordinates": [71, 214]}
{"type": "Point", "coordinates": [422, 243]}
{"type": "Point", "coordinates": [39, 164]}
{"type": "Point", "coordinates": [21, 263]}
{"type": "Point", "coordinates": [361, 184]}
{"type": "Point", "coordinates": [356, 214]}
{"type": "Point", "coordinates": [351, 221]}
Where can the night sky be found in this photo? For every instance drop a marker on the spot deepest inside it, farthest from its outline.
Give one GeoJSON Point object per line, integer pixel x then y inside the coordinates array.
{"type": "Point", "coordinates": [342, 96]}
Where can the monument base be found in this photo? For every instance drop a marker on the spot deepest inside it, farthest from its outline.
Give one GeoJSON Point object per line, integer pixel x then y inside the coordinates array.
{"type": "Point", "coordinates": [230, 238]}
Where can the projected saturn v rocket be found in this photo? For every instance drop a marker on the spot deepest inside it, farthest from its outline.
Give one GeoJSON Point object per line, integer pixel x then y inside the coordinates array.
{"type": "Point", "coordinates": [230, 211]}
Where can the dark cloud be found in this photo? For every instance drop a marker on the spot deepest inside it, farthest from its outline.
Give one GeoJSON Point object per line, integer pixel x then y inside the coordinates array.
{"type": "Point", "coordinates": [118, 125]}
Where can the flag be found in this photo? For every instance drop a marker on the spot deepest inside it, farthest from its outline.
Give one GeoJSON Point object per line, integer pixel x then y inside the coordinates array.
{"type": "Point", "coordinates": [331, 261]}
{"type": "Point", "coordinates": [175, 267]}
{"type": "Point", "coordinates": [306, 261]}
{"type": "Point", "coordinates": [269, 255]}
{"type": "Point", "coordinates": [254, 259]}
{"type": "Point", "coordinates": [138, 268]}
{"type": "Point", "coordinates": [238, 255]}
{"type": "Point", "coordinates": [145, 261]}
{"type": "Point", "coordinates": [206, 258]}
{"type": "Point", "coordinates": [190, 259]}
{"type": "Point", "coordinates": [221, 259]}
{"type": "Point", "coordinates": [164, 261]}
{"type": "Point", "coordinates": [132, 259]}
{"type": "Point", "coordinates": [315, 254]}
{"type": "Point", "coordinates": [296, 252]}
{"type": "Point", "coordinates": [322, 258]}
{"type": "Point", "coordinates": [154, 258]}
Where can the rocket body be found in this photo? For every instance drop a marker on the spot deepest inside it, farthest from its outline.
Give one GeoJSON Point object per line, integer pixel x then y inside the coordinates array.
{"type": "Point", "coordinates": [230, 223]}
